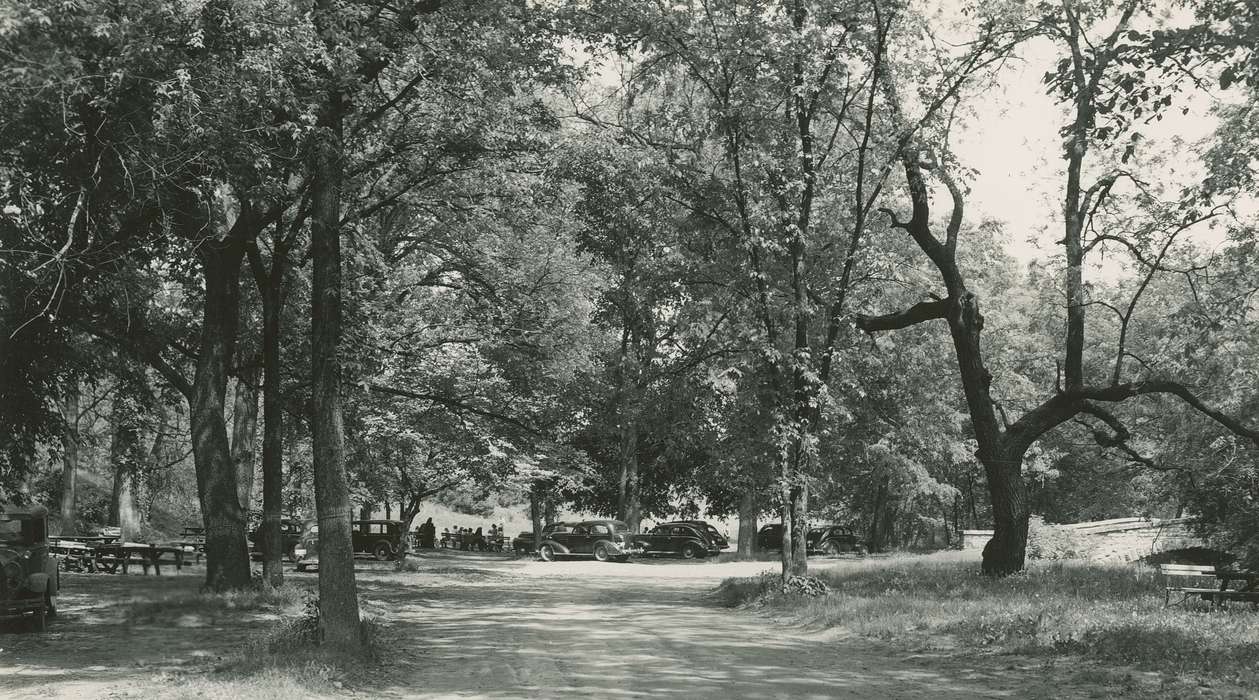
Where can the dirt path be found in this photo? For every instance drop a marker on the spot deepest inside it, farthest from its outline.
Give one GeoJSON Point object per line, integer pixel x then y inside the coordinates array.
{"type": "Point", "coordinates": [487, 626]}
{"type": "Point", "coordinates": [649, 630]}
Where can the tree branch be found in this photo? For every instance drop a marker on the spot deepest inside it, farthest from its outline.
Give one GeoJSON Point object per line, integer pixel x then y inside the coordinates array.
{"type": "Point", "coordinates": [918, 313]}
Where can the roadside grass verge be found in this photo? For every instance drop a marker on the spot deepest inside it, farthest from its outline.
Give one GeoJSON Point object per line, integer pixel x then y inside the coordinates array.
{"type": "Point", "coordinates": [190, 606]}
{"type": "Point", "coordinates": [278, 654]}
{"type": "Point", "coordinates": [1111, 613]}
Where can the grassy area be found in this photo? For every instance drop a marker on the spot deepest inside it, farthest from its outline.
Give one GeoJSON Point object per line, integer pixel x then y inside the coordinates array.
{"type": "Point", "coordinates": [1111, 613]}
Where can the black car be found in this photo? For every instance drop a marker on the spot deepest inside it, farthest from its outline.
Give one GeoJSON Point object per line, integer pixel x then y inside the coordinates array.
{"type": "Point", "coordinates": [290, 535]}
{"type": "Point", "coordinates": [834, 539]}
{"type": "Point", "coordinates": [827, 539]}
{"type": "Point", "coordinates": [383, 539]}
{"type": "Point", "coordinates": [683, 539]}
{"type": "Point", "coordinates": [714, 535]}
{"type": "Point", "coordinates": [770, 538]}
{"type": "Point", "coordinates": [602, 539]}
{"type": "Point", "coordinates": [29, 576]}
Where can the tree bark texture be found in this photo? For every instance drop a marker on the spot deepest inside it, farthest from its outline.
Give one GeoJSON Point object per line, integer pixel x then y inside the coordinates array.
{"type": "Point", "coordinates": [227, 552]}
{"type": "Point", "coordinates": [244, 433]}
{"type": "Point", "coordinates": [69, 459]}
{"type": "Point", "coordinates": [338, 591]}
{"type": "Point", "coordinates": [748, 509]}
{"type": "Point", "coordinates": [272, 429]}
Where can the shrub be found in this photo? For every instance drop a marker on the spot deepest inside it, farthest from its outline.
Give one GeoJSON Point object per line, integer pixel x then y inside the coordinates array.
{"type": "Point", "coordinates": [1045, 541]}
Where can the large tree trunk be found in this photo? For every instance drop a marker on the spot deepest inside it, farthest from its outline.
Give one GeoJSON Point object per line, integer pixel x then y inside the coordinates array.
{"type": "Point", "coordinates": [272, 426]}
{"type": "Point", "coordinates": [69, 459]}
{"type": "Point", "coordinates": [1006, 552]}
{"type": "Point", "coordinates": [628, 507]}
{"type": "Point", "coordinates": [338, 591]}
{"type": "Point", "coordinates": [244, 434]}
{"type": "Point", "coordinates": [227, 552]}
{"type": "Point", "coordinates": [748, 510]}
{"type": "Point", "coordinates": [124, 450]}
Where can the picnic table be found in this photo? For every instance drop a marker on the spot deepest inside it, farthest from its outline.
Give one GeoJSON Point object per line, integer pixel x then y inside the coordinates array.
{"type": "Point", "coordinates": [108, 555]}
{"type": "Point", "coordinates": [1230, 584]}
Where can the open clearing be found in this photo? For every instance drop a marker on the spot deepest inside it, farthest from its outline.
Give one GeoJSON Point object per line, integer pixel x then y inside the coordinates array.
{"type": "Point", "coordinates": [488, 626]}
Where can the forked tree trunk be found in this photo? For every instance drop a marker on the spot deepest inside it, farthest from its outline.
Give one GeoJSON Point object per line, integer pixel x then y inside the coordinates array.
{"type": "Point", "coordinates": [338, 591]}
{"type": "Point", "coordinates": [69, 459]}
{"type": "Point", "coordinates": [227, 552]}
{"type": "Point", "coordinates": [748, 510]}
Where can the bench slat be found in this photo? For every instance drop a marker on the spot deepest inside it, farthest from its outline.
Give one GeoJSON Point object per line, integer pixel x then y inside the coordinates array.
{"type": "Point", "coordinates": [1186, 570]}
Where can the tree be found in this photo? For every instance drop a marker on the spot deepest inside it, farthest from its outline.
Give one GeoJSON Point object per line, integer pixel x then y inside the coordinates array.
{"type": "Point", "coordinates": [1090, 79]}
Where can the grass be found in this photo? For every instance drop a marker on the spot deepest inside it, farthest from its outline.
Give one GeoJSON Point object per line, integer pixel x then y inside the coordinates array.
{"type": "Point", "coordinates": [1111, 613]}
{"type": "Point", "coordinates": [283, 660]}
{"type": "Point", "coordinates": [190, 605]}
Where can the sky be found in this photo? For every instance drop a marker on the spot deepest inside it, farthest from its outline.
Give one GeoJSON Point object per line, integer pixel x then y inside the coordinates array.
{"type": "Point", "coordinates": [1013, 143]}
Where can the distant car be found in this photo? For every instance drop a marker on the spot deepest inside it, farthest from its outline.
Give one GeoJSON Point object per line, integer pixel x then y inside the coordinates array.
{"type": "Point", "coordinates": [383, 539]}
{"type": "Point", "coordinates": [770, 538]}
{"type": "Point", "coordinates": [604, 540]}
{"type": "Point", "coordinates": [29, 577]}
{"type": "Point", "coordinates": [681, 539]}
{"type": "Point", "coordinates": [290, 535]}
{"type": "Point", "coordinates": [827, 539]}
{"type": "Point", "coordinates": [714, 535]}
{"type": "Point", "coordinates": [834, 539]}
{"type": "Point", "coordinates": [306, 553]}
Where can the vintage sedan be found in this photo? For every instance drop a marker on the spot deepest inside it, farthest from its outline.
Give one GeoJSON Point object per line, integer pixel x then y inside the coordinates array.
{"type": "Point", "coordinates": [29, 577]}
{"type": "Point", "coordinates": [834, 539]}
{"type": "Point", "coordinates": [681, 539]}
{"type": "Point", "coordinates": [605, 540]}
{"type": "Point", "coordinates": [291, 531]}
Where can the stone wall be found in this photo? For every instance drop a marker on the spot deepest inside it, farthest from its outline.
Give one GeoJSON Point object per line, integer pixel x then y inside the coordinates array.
{"type": "Point", "coordinates": [1121, 539]}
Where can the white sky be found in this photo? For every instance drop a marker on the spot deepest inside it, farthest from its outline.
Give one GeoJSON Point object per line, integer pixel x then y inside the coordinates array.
{"type": "Point", "coordinates": [1014, 144]}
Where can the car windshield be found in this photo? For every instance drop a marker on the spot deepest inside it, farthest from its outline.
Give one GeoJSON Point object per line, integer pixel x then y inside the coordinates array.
{"type": "Point", "coordinates": [10, 530]}
{"type": "Point", "coordinates": [618, 526]}
{"type": "Point", "coordinates": [711, 530]}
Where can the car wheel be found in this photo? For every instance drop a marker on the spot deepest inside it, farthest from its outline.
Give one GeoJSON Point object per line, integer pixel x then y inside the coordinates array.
{"type": "Point", "coordinates": [546, 553]}
{"type": "Point", "coordinates": [691, 551]}
{"type": "Point", "coordinates": [382, 551]}
{"type": "Point", "coordinates": [830, 549]}
{"type": "Point", "coordinates": [601, 552]}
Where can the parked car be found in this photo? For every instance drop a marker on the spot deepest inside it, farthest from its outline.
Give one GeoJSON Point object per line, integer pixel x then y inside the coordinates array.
{"type": "Point", "coordinates": [29, 577]}
{"type": "Point", "coordinates": [602, 539]}
{"type": "Point", "coordinates": [383, 539]}
{"type": "Point", "coordinates": [769, 538]}
{"type": "Point", "coordinates": [306, 553]}
{"type": "Point", "coordinates": [290, 535]}
{"type": "Point", "coordinates": [834, 539]}
{"type": "Point", "coordinates": [681, 539]}
{"type": "Point", "coordinates": [714, 535]}
{"type": "Point", "coordinates": [827, 539]}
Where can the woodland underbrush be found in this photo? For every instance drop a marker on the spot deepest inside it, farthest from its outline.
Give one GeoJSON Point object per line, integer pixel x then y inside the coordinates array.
{"type": "Point", "coordinates": [1109, 613]}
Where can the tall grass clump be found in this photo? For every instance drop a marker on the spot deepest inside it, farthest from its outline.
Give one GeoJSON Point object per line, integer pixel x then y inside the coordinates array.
{"type": "Point", "coordinates": [1112, 613]}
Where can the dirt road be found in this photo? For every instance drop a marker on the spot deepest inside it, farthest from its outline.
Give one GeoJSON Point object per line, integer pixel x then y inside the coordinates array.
{"type": "Point", "coordinates": [640, 630]}
{"type": "Point", "coordinates": [487, 626]}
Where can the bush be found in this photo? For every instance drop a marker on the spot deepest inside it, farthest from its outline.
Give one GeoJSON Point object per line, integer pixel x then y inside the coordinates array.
{"type": "Point", "coordinates": [1045, 541]}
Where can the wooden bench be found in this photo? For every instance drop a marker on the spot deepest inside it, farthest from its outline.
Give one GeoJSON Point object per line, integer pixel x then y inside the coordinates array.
{"type": "Point", "coordinates": [1220, 579]}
